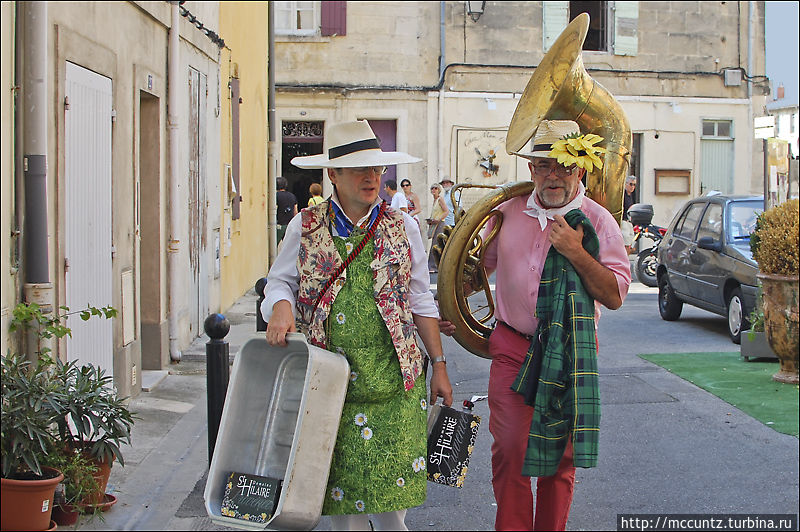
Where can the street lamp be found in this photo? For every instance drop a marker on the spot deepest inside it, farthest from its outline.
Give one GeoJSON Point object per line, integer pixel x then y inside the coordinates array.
{"type": "Point", "coordinates": [475, 9]}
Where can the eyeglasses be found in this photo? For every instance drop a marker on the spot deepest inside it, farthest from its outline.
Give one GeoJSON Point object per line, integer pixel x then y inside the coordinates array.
{"type": "Point", "coordinates": [363, 170]}
{"type": "Point", "coordinates": [544, 170]}
{"type": "Point", "coordinates": [406, 185]}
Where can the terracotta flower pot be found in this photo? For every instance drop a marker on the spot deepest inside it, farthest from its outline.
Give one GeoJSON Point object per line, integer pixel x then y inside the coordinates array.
{"type": "Point", "coordinates": [28, 504]}
{"type": "Point", "coordinates": [781, 315]}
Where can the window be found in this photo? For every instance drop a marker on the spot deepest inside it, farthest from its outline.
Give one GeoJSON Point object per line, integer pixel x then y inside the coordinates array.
{"type": "Point", "coordinates": [308, 18]}
{"type": "Point", "coordinates": [792, 122]}
{"type": "Point", "coordinates": [718, 128]}
{"type": "Point", "coordinates": [610, 30]}
{"type": "Point", "coordinates": [685, 227]}
{"type": "Point", "coordinates": [597, 36]}
{"type": "Point", "coordinates": [712, 223]}
{"type": "Point", "coordinates": [296, 18]}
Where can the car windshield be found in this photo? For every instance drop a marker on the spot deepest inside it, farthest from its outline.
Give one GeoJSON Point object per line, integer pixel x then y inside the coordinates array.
{"type": "Point", "coordinates": [742, 217]}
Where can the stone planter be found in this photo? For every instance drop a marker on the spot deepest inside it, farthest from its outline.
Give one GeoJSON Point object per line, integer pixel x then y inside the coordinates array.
{"type": "Point", "coordinates": [781, 315]}
{"type": "Point", "coordinates": [758, 347]}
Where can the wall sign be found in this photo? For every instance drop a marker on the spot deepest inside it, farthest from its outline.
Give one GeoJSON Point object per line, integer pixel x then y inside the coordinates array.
{"type": "Point", "coordinates": [673, 182]}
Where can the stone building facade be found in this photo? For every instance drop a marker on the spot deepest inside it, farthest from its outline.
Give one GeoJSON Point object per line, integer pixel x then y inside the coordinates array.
{"type": "Point", "coordinates": [442, 84]}
{"type": "Point", "coordinates": [133, 201]}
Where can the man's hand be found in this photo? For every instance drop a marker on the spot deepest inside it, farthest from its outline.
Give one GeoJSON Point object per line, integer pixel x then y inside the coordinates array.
{"type": "Point", "coordinates": [281, 322]}
{"type": "Point", "coordinates": [440, 385]}
{"type": "Point", "coordinates": [566, 240]}
{"type": "Point", "coordinates": [445, 327]}
{"type": "Point", "coordinates": [598, 280]}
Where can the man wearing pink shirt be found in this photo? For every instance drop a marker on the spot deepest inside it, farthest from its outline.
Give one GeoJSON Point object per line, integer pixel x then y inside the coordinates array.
{"type": "Point", "coordinates": [518, 262]}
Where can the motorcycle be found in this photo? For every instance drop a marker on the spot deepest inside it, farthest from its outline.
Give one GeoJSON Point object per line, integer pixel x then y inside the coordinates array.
{"type": "Point", "coordinates": [647, 263]}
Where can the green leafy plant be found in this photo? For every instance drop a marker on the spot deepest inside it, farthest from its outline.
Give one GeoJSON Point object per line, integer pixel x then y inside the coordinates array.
{"type": "Point", "coordinates": [756, 320]}
{"type": "Point", "coordinates": [775, 242]}
{"type": "Point", "coordinates": [95, 421]}
{"type": "Point", "coordinates": [31, 403]}
{"type": "Point", "coordinates": [49, 406]}
{"type": "Point", "coordinates": [79, 477]}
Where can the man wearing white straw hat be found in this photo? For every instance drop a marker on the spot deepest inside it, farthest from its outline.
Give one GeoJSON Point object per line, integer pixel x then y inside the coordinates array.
{"type": "Point", "coordinates": [558, 256]}
{"type": "Point", "coordinates": [353, 273]}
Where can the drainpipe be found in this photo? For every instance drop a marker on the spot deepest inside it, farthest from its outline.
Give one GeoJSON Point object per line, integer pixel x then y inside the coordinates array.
{"type": "Point", "coordinates": [440, 117]}
{"type": "Point", "coordinates": [38, 288]}
{"type": "Point", "coordinates": [173, 267]}
{"type": "Point", "coordinates": [272, 162]}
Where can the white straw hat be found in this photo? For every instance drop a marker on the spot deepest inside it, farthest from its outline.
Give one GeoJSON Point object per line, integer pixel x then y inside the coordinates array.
{"type": "Point", "coordinates": [548, 132]}
{"type": "Point", "coordinates": [350, 145]}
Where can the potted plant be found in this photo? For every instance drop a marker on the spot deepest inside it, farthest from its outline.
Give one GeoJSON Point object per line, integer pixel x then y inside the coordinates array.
{"type": "Point", "coordinates": [67, 415]}
{"type": "Point", "coordinates": [96, 421]}
{"type": "Point", "coordinates": [754, 341]}
{"type": "Point", "coordinates": [78, 486]}
{"type": "Point", "coordinates": [29, 409]}
{"type": "Point", "coordinates": [775, 244]}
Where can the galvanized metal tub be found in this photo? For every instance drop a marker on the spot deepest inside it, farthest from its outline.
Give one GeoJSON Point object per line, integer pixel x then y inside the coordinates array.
{"type": "Point", "coordinates": [280, 420]}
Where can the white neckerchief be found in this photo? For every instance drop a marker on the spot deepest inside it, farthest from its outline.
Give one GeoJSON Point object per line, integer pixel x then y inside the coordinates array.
{"type": "Point", "coordinates": [534, 210]}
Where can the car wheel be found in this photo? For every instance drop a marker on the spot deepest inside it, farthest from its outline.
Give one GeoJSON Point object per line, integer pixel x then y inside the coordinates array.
{"type": "Point", "coordinates": [669, 306]}
{"type": "Point", "coordinates": [646, 268]}
{"type": "Point", "coordinates": [737, 321]}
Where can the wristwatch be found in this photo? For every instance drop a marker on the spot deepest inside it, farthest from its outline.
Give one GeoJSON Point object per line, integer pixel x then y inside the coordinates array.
{"type": "Point", "coordinates": [434, 360]}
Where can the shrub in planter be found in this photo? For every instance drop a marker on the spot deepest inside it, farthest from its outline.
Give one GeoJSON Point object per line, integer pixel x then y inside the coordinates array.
{"type": "Point", "coordinates": [775, 244]}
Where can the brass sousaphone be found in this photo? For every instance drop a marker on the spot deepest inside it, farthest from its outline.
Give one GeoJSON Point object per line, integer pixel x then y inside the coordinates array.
{"type": "Point", "coordinates": [559, 89]}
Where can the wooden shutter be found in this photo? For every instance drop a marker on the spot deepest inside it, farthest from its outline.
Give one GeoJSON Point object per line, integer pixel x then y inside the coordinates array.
{"type": "Point", "coordinates": [626, 28]}
{"type": "Point", "coordinates": [334, 17]}
{"type": "Point", "coordinates": [555, 17]}
{"type": "Point", "coordinates": [235, 168]}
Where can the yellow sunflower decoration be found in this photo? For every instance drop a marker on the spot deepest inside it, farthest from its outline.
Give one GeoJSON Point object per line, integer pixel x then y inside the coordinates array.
{"type": "Point", "coordinates": [580, 150]}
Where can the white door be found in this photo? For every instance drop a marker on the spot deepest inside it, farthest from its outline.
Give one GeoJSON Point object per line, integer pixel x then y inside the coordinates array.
{"type": "Point", "coordinates": [198, 202]}
{"type": "Point", "coordinates": [87, 238]}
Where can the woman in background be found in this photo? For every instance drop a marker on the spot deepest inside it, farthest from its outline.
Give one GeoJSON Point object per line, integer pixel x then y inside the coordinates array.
{"type": "Point", "coordinates": [414, 204]}
{"type": "Point", "coordinates": [436, 223]}
{"type": "Point", "coordinates": [316, 194]}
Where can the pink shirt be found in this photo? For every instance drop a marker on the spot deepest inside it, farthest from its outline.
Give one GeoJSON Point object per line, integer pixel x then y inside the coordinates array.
{"type": "Point", "coordinates": [518, 253]}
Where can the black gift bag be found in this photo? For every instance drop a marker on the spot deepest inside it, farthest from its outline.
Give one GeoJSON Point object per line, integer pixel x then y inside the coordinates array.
{"type": "Point", "coordinates": [451, 438]}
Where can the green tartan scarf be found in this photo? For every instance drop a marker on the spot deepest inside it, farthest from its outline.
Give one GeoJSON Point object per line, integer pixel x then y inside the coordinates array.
{"type": "Point", "coordinates": [559, 376]}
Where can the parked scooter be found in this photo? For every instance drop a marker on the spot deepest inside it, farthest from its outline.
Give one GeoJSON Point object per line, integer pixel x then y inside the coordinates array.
{"type": "Point", "coordinates": [641, 215]}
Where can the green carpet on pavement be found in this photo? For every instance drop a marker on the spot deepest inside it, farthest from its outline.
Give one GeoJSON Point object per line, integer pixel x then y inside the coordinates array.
{"type": "Point", "coordinates": [746, 385]}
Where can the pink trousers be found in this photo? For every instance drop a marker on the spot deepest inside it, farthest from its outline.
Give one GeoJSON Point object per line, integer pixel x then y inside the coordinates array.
{"type": "Point", "coordinates": [509, 424]}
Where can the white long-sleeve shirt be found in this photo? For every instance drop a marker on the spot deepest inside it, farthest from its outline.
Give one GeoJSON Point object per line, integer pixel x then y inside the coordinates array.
{"type": "Point", "coordinates": [283, 280]}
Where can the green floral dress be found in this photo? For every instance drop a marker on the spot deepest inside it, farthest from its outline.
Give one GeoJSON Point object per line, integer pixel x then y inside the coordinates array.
{"type": "Point", "coordinates": [379, 459]}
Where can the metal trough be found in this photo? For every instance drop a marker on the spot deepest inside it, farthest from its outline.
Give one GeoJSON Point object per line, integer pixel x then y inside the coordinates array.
{"type": "Point", "coordinates": [280, 420]}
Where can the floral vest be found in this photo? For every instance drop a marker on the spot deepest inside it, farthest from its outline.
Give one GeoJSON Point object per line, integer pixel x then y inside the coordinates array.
{"type": "Point", "coordinates": [391, 267]}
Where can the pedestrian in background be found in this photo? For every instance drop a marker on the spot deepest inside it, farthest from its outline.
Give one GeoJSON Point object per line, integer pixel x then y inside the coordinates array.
{"type": "Point", "coordinates": [287, 206]}
{"type": "Point", "coordinates": [399, 200]}
{"type": "Point", "coordinates": [435, 222]}
{"type": "Point", "coordinates": [414, 204]}
{"type": "Point", "coordinates": [625, 225]}
{"type": "Point", "coordinates": [316, 194]}
{"type": "Point", "coordinates": [378, 465]}
{"type": "Point", "coordinates": [447, 184]}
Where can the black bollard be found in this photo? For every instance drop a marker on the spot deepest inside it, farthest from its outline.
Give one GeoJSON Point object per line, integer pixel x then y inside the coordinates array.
{"type": "Point", "coordinates": [217, 374]}
{"type": "Point", "coordinates": [261, 284]}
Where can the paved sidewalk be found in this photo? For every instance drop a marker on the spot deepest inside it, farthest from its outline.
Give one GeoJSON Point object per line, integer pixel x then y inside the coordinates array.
{"type": "Point", "coordinates": [666, 445]}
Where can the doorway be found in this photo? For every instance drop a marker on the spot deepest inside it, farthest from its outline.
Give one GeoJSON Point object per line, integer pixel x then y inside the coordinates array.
{"type": "Point", "coordinates": [386, 131]}
{"type": "Point", "coordinates": [155, 337]}
{"type": "Point", "coordinates": [301, 139]}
